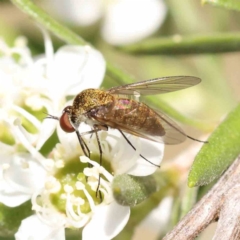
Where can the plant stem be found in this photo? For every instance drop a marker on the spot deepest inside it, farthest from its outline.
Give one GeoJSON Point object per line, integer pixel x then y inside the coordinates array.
{"type": "Point", "coordinates": [210, 207]}
{"type": "Point", "coordinates": [176, 45]}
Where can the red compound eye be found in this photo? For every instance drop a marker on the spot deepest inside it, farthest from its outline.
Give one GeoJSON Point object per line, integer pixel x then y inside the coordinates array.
{"type": "Point", "coordinates": [65, 123]}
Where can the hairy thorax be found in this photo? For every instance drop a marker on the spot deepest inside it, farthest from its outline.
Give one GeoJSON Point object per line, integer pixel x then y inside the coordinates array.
{"type": "Point", "coordinates": [88, 100]}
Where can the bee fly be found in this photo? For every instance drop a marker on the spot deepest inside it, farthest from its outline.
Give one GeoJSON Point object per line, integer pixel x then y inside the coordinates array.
{"type": "Point", "coordinates": [116, 109]}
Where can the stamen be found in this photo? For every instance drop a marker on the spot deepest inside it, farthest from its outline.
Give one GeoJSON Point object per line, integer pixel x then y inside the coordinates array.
{"type": "Point", "coordinates": [49, 164]}
{"type": "Point", "coordinates": [63, 196]}
{"type": "Point", "coordinates": [28, 116]}
{"type": "Point", "coordinates": [59, 164]}
{"type": "Point", "coordinates": [69, 209]}
{"type": "Point", "coordinates": [76, 219]}
{"type": "Point", "coordinates": [20, 134]}
{"type": "Point", "coordinates": [84, 159]}
{"type": "Point", "coordinates": [52, 185]}
{"type": "Point", "coordinates": [45, 212]}
{"type": "Point", "coordinates": [91, 172]}
{"type": "Point", "coordinates": [89, 197]}
{"type": "Point", "coordinates": [68, 189]}
{"type": "Point", "coordinates": [79, 201]}
{"type": "Point", "coordinates": [79, 206]}
{"type": "Point", "coordinates": [48, 49]}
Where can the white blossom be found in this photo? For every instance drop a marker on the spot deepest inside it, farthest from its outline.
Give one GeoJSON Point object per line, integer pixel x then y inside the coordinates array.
{"type": "Point", "coordinates": [45, 177]}
{"type": "Point", "coordinates": [61, 185]}
{"type": "Point", "coordinates": [123, 21]}
{"type": "Point", "coordinates": [46, 82]}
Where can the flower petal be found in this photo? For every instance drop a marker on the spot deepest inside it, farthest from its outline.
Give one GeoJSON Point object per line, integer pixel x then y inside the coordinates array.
{"type": "Point", "coordinates": [78, 12]}
{"type": "Point", "coordinates": [107, 222]}
{"type": "Point", "coordinates": [26, 172]}
{"type": "Point", "coordinates": [10, 197]}
{"type": "Point", "coordinates": [126, 160]}
{"type": "Point", "coordinates": [20, 180]}
{"type": "Point", "coordinates": [122, 156]}
{"type": "Point", "coordinates": [141, 18]}
{"type": "Point", "coordinates": [70, 141]}
{"type": "Point", "coordinates": [76, 68]}
{"type": "Point", "coordinates": [33, 228]}
{"type": "Point", "coordinates": [154, 153]}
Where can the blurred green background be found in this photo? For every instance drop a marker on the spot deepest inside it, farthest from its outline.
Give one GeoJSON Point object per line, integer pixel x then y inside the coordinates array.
{"type": "Point", "coordinates": [208, 102]}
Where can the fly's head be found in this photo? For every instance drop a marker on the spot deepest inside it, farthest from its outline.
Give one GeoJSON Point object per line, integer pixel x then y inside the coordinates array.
{"type": "Point", "coordinates": [65, 120]}
{"type": "Point", "coordinates": [71, 118]}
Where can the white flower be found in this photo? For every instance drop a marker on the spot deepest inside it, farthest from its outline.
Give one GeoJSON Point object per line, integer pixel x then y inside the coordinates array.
{"type": "Point", "coordinates": [46, 82]}
{"type": "Point", "coordinates": [21, 171]}
{"type": "Point", "coordinates": [124, 21]}
{"type": "Point", "coordinates": [61, 188]}
{"type": "Point", "coordinates": [122, 157]}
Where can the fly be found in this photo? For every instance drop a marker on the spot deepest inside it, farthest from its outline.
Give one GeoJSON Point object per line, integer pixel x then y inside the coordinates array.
{"type": "Point", "coordinates": [117, 108]}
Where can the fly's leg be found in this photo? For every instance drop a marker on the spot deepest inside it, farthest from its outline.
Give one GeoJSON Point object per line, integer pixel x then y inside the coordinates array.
{"type": "Point", "coordinates": [135, 149]}
{"type": "Point", "coordinates": [96, 129]}
{"type": "Point", "coordinates": [98, 193]}
{"type": "Point", "coordinates": [83, 145]}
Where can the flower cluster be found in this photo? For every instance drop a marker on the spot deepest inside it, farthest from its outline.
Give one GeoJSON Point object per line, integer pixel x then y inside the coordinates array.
{"type": "Point", "coordinates": [50, 170]}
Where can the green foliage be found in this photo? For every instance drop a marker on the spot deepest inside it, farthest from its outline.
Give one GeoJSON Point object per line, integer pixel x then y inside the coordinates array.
{"type": "Point", "coordinates": [221, 150]}
{"type": "Point", "coordinates": [229, 4]}
{"type": "Point", "coordinates": [11, 217]}
{"type": "Point", "coordinates": [184, 20]}
{"type": "Point", "coordinates": [178, 44]}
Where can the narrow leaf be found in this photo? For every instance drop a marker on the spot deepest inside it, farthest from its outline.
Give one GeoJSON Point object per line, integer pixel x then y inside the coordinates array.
{"type": "Point", "coordinates": [229, 4]}
{"type": "Point", "coordinates": [175, 45]}
{"type": "Point", "coordinates": [215, 156]}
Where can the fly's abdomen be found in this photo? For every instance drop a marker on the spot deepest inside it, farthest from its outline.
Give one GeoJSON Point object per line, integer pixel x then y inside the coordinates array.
{"type": "Point", "coordinates": [137, 116]}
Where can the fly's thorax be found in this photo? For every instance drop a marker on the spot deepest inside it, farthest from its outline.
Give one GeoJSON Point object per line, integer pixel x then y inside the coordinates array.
{"type": "Point", "coordinates": [89, 99]}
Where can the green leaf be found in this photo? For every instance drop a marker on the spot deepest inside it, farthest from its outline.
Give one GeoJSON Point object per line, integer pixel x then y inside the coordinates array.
{"type": "Point", "coordinates": [11, 217]}
{"type": "Point", "coordinates": [130, 190]}
{"type": "Point", "coordinates": [175, 45]}
{"type": "Point", "coordinates": [221, 150]}
{"type": "Point", "coordinates": [229, 4]}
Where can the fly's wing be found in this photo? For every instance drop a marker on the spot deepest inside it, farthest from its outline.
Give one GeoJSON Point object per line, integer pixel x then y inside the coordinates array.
{"type": "Point", "coordinates": [173, 133]}
{"type": "Point", "coordinates": [156, 86]}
